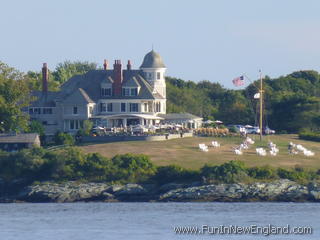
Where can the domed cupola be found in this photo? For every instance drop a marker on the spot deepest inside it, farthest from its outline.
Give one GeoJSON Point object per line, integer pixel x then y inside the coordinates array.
{"type": "Point", "coordinates": [152, 60]}
{"type": "Point", "coordinates": [154, 70]}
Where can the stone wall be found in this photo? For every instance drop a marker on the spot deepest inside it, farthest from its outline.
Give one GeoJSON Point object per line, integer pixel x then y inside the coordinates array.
{"type": "Point", "coordinates": [102, 139]}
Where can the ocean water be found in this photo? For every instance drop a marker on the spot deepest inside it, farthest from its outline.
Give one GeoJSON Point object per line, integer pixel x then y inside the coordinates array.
{"type": "Point", "coordinates": [153, 221]}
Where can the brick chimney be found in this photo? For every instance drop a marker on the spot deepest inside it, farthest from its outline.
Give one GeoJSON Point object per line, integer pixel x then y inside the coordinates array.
{"type": "Point", "coordinates": [45, 78]}
{"type": "Point", "coordinates": [129, 65]}
{"type": "Point", "coordinates": [117, 77]}
{"type": "Point", "coordinates": [105, 64]}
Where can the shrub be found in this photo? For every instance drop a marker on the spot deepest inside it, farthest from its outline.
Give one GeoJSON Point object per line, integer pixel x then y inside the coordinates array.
{"type": "Point", "coordinates": [298, 174]}
{"type": "Point", "coordinates": [230, 172]}
{"type": "Point", "coordinates": [308, 135]}
{"type": "Point", "coordinates": [132, 167]}
{"type": "Point", "coordinates": [265, 172]}
{"type": "Point", "coordinates": [174, 173]}
{"type": "Point", "coordinates": [61, 138]}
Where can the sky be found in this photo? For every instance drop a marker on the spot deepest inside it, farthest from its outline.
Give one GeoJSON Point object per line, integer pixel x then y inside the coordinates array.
{"type": "Point", "coordinates": [211, 40]}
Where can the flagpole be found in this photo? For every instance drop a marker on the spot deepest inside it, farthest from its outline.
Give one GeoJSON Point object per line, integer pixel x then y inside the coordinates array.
{"type": "Point", "coordinates": [261, 105]}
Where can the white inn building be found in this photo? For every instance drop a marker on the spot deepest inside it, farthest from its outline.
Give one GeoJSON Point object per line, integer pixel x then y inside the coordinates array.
{"type": "Point", "coordinates": [110, 98]}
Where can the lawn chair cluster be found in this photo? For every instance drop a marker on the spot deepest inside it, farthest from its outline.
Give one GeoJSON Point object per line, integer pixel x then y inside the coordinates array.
{"type": "Point", "coordinates": [261, 152]}
{"type": "Point", "coordinates": [273, 150]}
{"type": "Point", "coordinates": [296, 148]}
{"type": "Point", "coordinates": [215, 144]}
{"type": "Point", "coordinates": [203, 147]}
{"type": "Point", "coordinates": [243, 146]}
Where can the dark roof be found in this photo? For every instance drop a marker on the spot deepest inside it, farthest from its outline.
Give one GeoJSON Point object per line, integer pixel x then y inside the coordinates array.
{"type": "Point", "coordinates": [152, 60]}
{"type": "Point", "coordinates": [78, 96]}
{"type": "Point", "coordinates": [132, 82]}
{"type": "Point", "coordinates": [87, 88]}
{"type": "Point", "coordinates": [19, 138]}
{"type": "Point", "coordinates": [174, 116]}
{"type": "Point", "coordinates": [44, 100]}
{"type": "Point", "coordinates": [91, 83]}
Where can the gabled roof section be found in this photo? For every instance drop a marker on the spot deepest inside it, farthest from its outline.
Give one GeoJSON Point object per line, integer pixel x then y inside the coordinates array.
{"type": "Point", "coordinates": [131, 82]}
{"type": "Point", "coordinates": [78, 97]}
{"type": "Point", "coordinates": [107, 80]}
{"type": "Point", "coordinates": [90, 83]}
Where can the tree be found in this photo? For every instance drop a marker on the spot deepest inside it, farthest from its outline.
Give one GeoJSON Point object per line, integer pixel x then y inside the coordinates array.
{"type": "Point", "coordinates": [68, 69]}
{"type": "Point", "coordinates": [14, 95]}
{"type": "Point", "coordinates": [34, 80]}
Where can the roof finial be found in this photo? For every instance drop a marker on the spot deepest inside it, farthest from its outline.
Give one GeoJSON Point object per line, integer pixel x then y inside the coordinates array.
{"type": "Point", "coordinates": [152, 46]}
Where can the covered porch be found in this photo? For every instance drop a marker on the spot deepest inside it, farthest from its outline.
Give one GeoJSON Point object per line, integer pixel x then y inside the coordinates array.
{"type": "Point", "coordinates": [125, 120]}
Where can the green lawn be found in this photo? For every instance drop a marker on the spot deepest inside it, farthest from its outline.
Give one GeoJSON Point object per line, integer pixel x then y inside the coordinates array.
{"type": "Point", "coordinates": [185, 152]}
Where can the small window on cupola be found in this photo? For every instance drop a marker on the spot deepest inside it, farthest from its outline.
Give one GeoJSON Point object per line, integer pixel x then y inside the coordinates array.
{"type": "Point", "coordinates": [158, 75]}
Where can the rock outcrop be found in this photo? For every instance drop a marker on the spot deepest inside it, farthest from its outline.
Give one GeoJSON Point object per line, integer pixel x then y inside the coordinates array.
{"type": "Point", "coordinates": [280, 190]}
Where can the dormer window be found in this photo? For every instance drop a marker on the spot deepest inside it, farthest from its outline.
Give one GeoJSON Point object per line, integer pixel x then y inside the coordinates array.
{"type": "Point", "coordinates": [105, 92]}
{"type": "Point", "coordinates": [129, 91]}
{"type": "Point", "coordinates": [134, 92]}
{"type": "Point", "coordinates": [126, 91]}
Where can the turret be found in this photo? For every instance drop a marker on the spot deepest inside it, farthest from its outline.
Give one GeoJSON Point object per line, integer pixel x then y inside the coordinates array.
{"type": "Point", "coordinates": [154, 71]}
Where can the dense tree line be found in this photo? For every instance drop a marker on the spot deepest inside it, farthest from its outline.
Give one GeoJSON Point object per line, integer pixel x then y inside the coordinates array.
{"type": "Point", "coordinates": [292, 102]}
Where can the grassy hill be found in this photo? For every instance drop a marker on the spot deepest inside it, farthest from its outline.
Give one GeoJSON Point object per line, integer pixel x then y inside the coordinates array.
{"type": "Point", "coordinates": [185, 152]}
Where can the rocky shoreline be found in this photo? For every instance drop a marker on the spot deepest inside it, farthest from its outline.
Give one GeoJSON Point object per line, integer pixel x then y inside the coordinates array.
{"type": "Point", "coordinates": [280, 190]}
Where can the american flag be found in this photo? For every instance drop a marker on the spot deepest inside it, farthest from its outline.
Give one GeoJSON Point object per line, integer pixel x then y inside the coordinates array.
{"type": "Point", "coordinates": [239, 81]}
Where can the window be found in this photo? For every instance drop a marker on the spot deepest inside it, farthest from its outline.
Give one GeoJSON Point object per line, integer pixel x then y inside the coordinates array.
{"type": "Point", "coordinates": [158, 75]}
{"type": "Point", "coordinates": [109, 107]}
{"type": "Point", "coordinates": [133, 107]}
{"type": "Point", "coordinates": [134, 92]}
{"type": "Point", "coordinates": [76, 124]}
{"type": "Point", "coordinates": [103, 107]}
{"type": "Point", "coordinates": [149, 76]}
{"type": "Point", "coordinates": [158, 107]}
{"type": "Point", "coordinates": [75, 110]}
{"type": "Point", "coordinates": [34, 110]}
{"type": "Point", "coordinates": [123, 107]}
{"type": "Point", "coordinates": [126, 91]}
{"type": "Point", "coordinates": [91, 110]}
{"type": "Point", "coordinates": [47, 110]}
{"type": "Point", "coordinates": [146, 107]}
{"type": "Point", "coordinates": [106, 91]}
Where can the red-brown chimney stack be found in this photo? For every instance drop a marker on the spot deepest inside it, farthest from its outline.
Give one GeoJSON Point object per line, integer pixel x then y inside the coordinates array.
{"type": "Point", "coordinates": [45, 78]}
{"type": "Point", "coordinates": [129, 65]}
{"type": "Point", "coordinates": [105, 64]}
{"type": "Point", "coordinates": [117, 76]}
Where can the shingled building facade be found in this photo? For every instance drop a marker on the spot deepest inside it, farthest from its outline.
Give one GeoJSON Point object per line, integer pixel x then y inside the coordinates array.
{"type": "Point", "coordinates": [114, 97]}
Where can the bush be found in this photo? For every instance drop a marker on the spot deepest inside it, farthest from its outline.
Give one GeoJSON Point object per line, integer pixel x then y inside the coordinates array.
{"type": "Point", "coordinates": [308, 135]}
{"type": "Point", "coordinates": [265, 172]}
{"type": "Point", "coordinates": [230, 172]}
{"type": "Point", "coordinates": [174, 173]}
{"type": "Point", "coordinates": [132, 168]}
{"type": "Point", "coordinates": [298, 174]}
{"type": "Point", "coordinates": [61, 138]}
